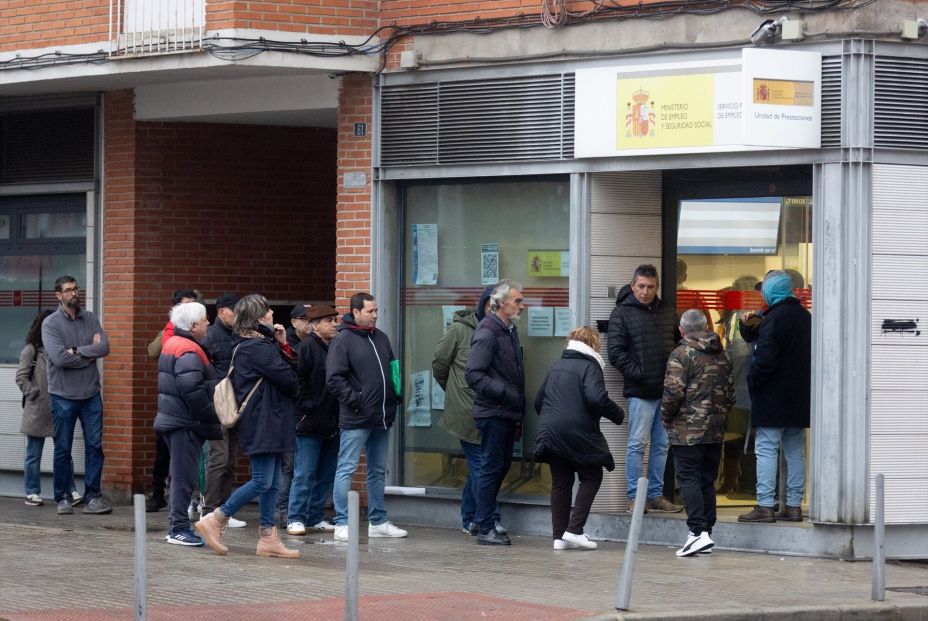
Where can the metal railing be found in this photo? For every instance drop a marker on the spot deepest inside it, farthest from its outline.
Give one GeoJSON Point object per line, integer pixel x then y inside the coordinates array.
{"type": "Point", "coordinates": [144, 27]}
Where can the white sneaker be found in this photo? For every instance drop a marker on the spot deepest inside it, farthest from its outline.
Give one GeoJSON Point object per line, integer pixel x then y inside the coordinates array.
{"type": "Point", "coordinates": [296, 528]}
{"type": "Point", "coordinates": [386, 529]}
{"type": "Point", "coordinates": [233, 523]}
{"type": "Point", "coordinates": [341, 533]}
{"type": "Point", "coordinates": [34, 500]}
{"type": "Point", "coordinates": [580, 540]}
{"type": "Point", "coordinates": [560, 544]}
{"type": "Point", "coordinates": [695, 544]}
{"type": "Point", "coordinates": [324, 526]}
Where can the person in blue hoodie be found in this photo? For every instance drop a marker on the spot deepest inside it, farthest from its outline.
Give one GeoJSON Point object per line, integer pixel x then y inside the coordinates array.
{"type": "Point", "coordinates": [363, 374]}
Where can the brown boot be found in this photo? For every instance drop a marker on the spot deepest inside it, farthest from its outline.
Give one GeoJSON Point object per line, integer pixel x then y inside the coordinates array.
{"type": "Point", "coordinates": [758, 514]}
{"type": "Point", "coordinates": [211, 527]}
{"type": "Point", "coordinates": [790, 514]}
{"type": "Point", "coordinates": [270, 544]}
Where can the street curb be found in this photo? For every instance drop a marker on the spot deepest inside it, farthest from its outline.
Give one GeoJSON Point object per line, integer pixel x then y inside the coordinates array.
{"type": "Point", "coordinates": [909, 611]}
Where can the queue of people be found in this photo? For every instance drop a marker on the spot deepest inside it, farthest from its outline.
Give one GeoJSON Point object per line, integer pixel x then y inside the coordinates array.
{"type": "Point", "coordinates": [318, 396]}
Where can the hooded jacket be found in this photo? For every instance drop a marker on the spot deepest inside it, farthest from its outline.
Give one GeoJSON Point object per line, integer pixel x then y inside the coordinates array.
{"type": "Point", "coordinates": [640, 338]}
{"type": "Point", "coordinates": [495, 372]}
{"type": "Point", "coordinates": [266, 424]}
{"type": "Point", "coordinates": [698, 391]}
{"type": "Point", "coordinates": [448, 370]}
{"type": "Point", "coordinates": [317, 407]}
{"type": "Point", "coordinates": [357, 371]}
{"type": "Point", "coordinates": [186, 380]}
{"type": "Point", "coordinates": [781, 375]}
{"type": "Point", "coordinates": [570, 403]}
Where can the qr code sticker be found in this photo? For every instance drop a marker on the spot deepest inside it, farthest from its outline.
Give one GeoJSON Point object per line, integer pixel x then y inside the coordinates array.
{"type": "Point", "coordinates": [489, 268]}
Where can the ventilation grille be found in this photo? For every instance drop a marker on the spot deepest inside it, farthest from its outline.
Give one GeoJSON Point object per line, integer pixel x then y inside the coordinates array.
{"type": "Point", "coordinates": [530, 118]}
{"type": "Point", "coordinates": [47, 145]}
{"type": "Point", "coordinates": [831, 101]}
{"type": "Point", "coordinates": [901, 103]}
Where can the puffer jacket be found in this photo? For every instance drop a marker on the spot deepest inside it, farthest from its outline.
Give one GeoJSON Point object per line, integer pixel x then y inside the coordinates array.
{"type": "Point", "coordinates": [37, 415]}
{"type": "Point", "coordinates": [358, 373]}
{"type": "Point", "coordinates": [266, 424]}
{"type": "Point", "coordinates": [186, 380]}
{"type": "Point", "coordinates": [780, 379]}
{"type": "Point", "coordinates": [317, 407]}
{"type": "Point", "coordinates": [570, 403]}
{"type": "Point", "coordinates": [219, 343]}
{"type": "Point", "coordinates": [640, 338]}
{"type": "Point", "coordinates": [698, 391]}
{"type": "Point", "coordinates": [495, 372]}
{"type": "Point", "coordinates": [448, 370]}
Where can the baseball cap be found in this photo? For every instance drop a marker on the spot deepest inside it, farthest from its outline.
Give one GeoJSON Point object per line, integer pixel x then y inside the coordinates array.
{"type": "Point", "coordinates": [299, 311]}
{"type": "Point", "coordinates": [226, 300]}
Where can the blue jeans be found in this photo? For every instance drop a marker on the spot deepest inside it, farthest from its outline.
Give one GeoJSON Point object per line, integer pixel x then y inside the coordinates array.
{"type": "Point", "coordinates": [375, 443]}
{"type": "Point", "coordinates": [469, 496]}
{"type": "Point", "coordinates": [265, 477]}
{"type": "Point", "coordinates": [497, 436]}
{"type": "Point", "coordinates": [313, 478]}
{"type": "Point", "coordinates": [65, 414]}
{"type": "Point", "coordinates": [32, 465]}
{"type": "Point", "coordinates": [644, 425]}
{"type": "Point", "coordinates": [766, 445]}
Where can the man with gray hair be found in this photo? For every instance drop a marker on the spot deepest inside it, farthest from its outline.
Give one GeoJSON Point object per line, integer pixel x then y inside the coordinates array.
{"type": "Point", "coordinates": [495, 373]}
{"type": "Point", "coordinates": [698, 394]}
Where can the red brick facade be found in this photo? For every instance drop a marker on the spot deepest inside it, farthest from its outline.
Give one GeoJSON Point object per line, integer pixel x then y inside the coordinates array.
{"type": "Point", "coordinates": [220, 208]}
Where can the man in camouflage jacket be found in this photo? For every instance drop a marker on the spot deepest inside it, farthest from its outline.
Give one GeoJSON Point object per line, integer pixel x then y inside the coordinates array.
{"type": "Point", "coordinates": [698, 394]}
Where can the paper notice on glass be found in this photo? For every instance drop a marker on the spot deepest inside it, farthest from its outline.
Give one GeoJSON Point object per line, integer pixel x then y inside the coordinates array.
{"type": "Point", "coordinates": [438, 396]}
{"type": "Point", "coordinates": [540, 320]}
{"type": "Point", "coordinates": [489, 264]}
{"type": "Point", "coordinates": [563, 320]}
{"type": "Point", "coordinates": [418, 411]}
{"type": "Point", "coordinates": [425, 254]}
{"type": "Point", "coordinates": [447, 316]}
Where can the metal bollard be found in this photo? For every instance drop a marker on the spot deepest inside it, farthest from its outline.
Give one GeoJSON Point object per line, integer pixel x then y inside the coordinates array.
{"type": "Point", "coordinates": [141, 603]}
{"type": "Point", "coordinates": [878, 588]}
{"type": "Point", "coordinates": [624, 593]}
{"type": "Point", "coordinates": [351, 573]}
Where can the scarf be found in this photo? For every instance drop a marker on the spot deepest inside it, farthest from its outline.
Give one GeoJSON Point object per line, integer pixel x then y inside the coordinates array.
{"type": "Point", "coordinates": [586, 350]}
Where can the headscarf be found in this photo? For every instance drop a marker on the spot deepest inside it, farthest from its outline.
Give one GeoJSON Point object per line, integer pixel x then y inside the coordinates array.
{"type": "Point", "coordinates": [777, 288]}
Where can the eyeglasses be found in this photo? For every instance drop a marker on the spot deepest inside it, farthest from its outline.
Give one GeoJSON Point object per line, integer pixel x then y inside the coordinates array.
{"type": "Point", "coordinates": [74, 290]}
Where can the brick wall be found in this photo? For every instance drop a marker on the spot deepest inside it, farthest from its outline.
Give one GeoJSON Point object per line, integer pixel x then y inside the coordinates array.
{"type": "Point", "coordinates": [26, 24]}
{"type": "Point", "coordinates": [346, 17]}
{"type": "Point", "coordinates": [214, 207]}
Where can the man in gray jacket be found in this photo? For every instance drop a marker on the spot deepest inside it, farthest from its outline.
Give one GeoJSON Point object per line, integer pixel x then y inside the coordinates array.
{"type": "Point", "coordinates": [74, 340]}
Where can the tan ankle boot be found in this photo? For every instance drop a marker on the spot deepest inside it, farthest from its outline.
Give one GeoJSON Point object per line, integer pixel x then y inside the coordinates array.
{"type": "Point", "coordinates": [211, 527]}
{"type": "Point", "coordinates": [270, 545]}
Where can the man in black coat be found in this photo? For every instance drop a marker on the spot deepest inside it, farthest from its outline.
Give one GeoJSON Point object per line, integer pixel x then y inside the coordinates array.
{"type": "Point", "coordinates": [363, 374]}
{"type": "Point", "coordinates": [780, 383]}
{"type": "Point", "coordinates": [641, 335]}
{"type": "Point", "coordinates": [495, 373]}
{"type": "Point", "coordinates": [316, 422]}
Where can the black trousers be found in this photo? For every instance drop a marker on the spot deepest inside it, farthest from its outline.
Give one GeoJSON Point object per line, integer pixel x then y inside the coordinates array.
{"type": "Point", "coordinates": [562, 484]}
{"type": "Point", "coordinates": [159, 473]}
{"type": "Point", "coordinates": [185, 446]}
{"type": "Point", "coordinates": [697, 467]}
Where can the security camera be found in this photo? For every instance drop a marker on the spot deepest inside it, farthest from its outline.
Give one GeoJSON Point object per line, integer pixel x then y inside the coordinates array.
{"type": "Point", "coordinates": [767, 31]}
{"type": "Point", "coordinates": [913, 29]}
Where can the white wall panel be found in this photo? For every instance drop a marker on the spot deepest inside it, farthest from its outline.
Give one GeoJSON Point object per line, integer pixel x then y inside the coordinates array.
{"type": "Point", "coordinates": [626, 230]}
{"type": "Point", "coordinates": [899, 360]}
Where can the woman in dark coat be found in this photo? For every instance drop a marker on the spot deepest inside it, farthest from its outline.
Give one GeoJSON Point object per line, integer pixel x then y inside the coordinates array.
{"type": "Point", "coordinates": [265, 429]}
{"type": "Point", "coordinates": [570, 403]}
{"type": "Point", "coordinates": [186, 417]}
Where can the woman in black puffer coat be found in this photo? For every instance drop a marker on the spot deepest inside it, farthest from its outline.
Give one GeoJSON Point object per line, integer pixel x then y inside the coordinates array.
{"type": "Point", "coordinates": [186, 418]}
{"type": "Point", "coordinates": [570, 403]}
{"type": "Point", "coordinates": [265, 429]}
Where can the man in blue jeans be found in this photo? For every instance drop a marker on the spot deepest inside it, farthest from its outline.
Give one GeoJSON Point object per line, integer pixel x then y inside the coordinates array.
{"type": "Point", "coordinates": [359, 372]}
{"type": "Point", "coordinates": [642, 333]}
{"type": "Point", "coordinates": [495, 372]}
{"type": "Point", "coordinates": [74, 340]}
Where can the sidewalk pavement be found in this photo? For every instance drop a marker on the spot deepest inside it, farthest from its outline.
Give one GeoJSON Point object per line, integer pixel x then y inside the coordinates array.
{"type": "Point", "coordinates": [55, 568]}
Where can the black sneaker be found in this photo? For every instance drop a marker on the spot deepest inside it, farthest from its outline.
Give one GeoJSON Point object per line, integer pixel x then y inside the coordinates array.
{"type": "Point", "coordinates": [64, 507]}
{"type": "Point", "coordinates": [155, 503]}
{"type": "Point", "coordinates": [97, 505]}
{"type": "Point", "coordinates": [471, 529]}
{"type": "Point", "coordinates": [493, 538]}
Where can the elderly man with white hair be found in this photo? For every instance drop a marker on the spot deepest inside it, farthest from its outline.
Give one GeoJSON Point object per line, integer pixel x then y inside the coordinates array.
{"type": "Point", "coordinates": [186, 417]}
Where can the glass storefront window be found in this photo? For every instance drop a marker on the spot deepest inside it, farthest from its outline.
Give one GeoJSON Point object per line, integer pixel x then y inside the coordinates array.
{"type": "Point", "coordinates": [4, 227]}
{"type": "Point", "coordinates": [458, 237]}
{"type": "Point", "coordinates": [54, 225]}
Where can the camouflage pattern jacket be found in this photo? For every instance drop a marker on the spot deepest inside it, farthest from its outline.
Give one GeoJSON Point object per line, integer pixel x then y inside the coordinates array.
{"type": "Point", "coordinates": [698, 391]}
